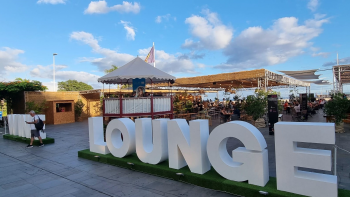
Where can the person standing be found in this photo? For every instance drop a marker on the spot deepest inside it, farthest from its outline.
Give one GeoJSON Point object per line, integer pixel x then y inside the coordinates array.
{"type": "Point", "coordinates": [297, 108]}
{"type": "Point", "coordinates": [34, 132]}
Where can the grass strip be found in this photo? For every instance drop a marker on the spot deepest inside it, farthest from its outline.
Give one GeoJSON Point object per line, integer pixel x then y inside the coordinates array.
{"type": "Point", "coordinates": [210, 179]}
{"type": "Point", "coordinates": [27, 140]}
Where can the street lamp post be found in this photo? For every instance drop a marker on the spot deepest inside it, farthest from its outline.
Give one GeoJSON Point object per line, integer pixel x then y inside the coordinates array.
{"type": "Point", "coordinates": [54, 87]}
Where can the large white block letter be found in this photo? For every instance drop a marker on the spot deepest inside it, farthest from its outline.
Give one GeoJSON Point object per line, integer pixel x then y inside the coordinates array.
{"type": "Point", "coordinates": [118, 147]}
{"type": "Point", "coordinates": [10, 118]}
{"type": "Point", "coordinates": [27, 127]}
{"type": "Point", "coordinates": [148, 151]}
{"type": "Point", "coordinates": [96, 140]}
{"type": "Point", "coordinates": [15, 124]}
{"type": "Point", "coordinates": [289, 157]}
{"type": "Point", "coordinates": [187, 145]}
{"type": "Point", "coordinates": [247, 163]}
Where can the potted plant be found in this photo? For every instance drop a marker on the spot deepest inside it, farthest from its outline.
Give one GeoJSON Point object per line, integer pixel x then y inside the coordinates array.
{"type": "Point", "coordinates": [255, 106]}
{"type": "Point", "coordinates": [337, 108]}
{"type": "Point", "coordinates": [78, 108]}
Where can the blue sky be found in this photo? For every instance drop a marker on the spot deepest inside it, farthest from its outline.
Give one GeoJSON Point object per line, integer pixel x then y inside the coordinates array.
{"type": "Point", "coordinates": [192, 38]}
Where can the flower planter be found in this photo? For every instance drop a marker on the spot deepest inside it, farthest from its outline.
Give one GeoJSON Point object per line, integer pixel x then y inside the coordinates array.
{"type": "Point", "coordinates": [260, 123]}
{"type": "Point", "coordinates": [339, 128]}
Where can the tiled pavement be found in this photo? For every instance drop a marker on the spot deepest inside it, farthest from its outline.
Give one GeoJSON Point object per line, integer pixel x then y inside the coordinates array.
{"type": "Point", "coordinates": [55, 170]}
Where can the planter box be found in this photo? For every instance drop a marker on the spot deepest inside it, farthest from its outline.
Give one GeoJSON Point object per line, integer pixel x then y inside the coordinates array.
{"type": "Point", "coordinates": [27, 140]}
{"type": "Point", "coordinates": [210, 179]}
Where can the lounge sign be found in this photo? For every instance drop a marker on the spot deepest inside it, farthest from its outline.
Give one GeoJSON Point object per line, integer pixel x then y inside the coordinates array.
{"type": "Point", "coordinates": [158, 140]}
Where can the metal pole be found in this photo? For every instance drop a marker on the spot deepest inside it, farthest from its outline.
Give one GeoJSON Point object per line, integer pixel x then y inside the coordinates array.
{"type": "Point", "coordinates": [54, 73]}
{"type": "Point", "coordinates": [154, 55]}
{"type": "Point", "coordinates": [333, 80]}
{"type": "Point", "coordinates": [339, 81]}
{"type": "Point", "coordinates": [54, 67]}
{"type": "Point", "coordinates": [309, 89]}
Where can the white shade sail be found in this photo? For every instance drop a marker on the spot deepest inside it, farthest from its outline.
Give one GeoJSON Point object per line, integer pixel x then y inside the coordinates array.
{"type": "Point", "coordinates": [302, 74]}
{"type": "Point", "coordinates": [319, 82]}
{"type": "Point", "coordinates": [137, 68]}
{"type": "Point", "coordinates": [299, 72]}
{"type": "Point", "coordinates": [306, 76]}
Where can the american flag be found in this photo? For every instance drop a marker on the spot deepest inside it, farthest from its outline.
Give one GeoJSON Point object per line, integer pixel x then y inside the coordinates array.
{"type": "Point", "coordinates": [150, 56]}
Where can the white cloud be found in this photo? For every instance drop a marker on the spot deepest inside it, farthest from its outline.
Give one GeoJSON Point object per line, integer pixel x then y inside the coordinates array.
{"type": "Point", "coordinates": [49, 85]}
{"type": "Point", "coordinates": [321, 54]}
{"type": "Point", "coordinates": [257, 47]}
{"type": "Point", "coordinates": [314, 49]}
{"type": "Point", "coordinates": [101, 7]}
{"type": "Point", "coordinates": [169, 62]}
{"type": "Point", "coordinates": [109, 58]}
{"type": "Point", "coordinates": [130, 32]}
{"type": "Point", "coordinates": [209, 31]}
{"type": "Point", "coordinates": [316, 54]}
{"type": "Point", "coordinates": [342, 61]}
{"type": "Point", "coordinates": [164, 61]}
{"type": "Point", "coordinates": [46, 72]}
{"type": "Point", "coordinates": [312, 5]}
{"type": "Point", "coordinates": [166, 17]}
{"type": "Point", "coordinates": [9, 61]}
{"type": "Point", "coordinates": [191, 55]}
{"type": "Point", "coordinates": [202, 66]}
{"type": "Point", "coordinates": [51, 1]}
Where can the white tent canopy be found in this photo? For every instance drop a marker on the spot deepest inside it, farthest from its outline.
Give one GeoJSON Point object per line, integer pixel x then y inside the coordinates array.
{"type": "Point", "coordinates": [137, 68]}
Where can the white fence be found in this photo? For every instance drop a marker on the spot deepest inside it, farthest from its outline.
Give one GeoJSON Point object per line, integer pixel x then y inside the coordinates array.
{"type": "Point", "coordinates": [18, 126]}
{"type": "Point", "coordinates": [137, 105]}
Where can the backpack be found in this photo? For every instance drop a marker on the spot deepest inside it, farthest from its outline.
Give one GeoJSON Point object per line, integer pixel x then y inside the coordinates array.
{"type": "Point", "coordinates": [40, 125]}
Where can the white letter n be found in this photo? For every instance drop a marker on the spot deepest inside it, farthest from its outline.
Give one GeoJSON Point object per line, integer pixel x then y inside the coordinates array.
{"type": "Point", "coordinates": [187, 145]}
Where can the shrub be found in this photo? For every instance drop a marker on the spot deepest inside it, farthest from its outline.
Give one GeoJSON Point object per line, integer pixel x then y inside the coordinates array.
{"type": "Point", "coordinates": [78, 107]}
{"type": "Point", "coordinates": [39, 108]}
{"type": "Point", "coordinates": [337, 107]}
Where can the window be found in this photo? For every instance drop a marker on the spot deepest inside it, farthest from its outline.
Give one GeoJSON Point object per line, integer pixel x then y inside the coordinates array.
{"type": "Point", "coordinates": [63, 107]}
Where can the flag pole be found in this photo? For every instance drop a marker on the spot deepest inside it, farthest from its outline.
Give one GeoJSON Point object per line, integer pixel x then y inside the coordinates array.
{"type": "Point", "coordinates": [154, 56]}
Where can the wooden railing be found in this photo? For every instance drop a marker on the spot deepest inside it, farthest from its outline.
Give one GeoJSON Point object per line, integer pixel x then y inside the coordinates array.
{"type": "Point", "coordinates": [142, 106]}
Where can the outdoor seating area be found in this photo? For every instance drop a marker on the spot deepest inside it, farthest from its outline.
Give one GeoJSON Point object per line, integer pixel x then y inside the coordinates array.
{"type": "Point", "coordinates": [175, 99]}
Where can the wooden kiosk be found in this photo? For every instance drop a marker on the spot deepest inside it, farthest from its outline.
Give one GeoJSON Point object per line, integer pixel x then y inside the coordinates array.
{"type": "Point", "coordinates": [144, 106]}
{"type": "Point", "coordinates": [60, 112]}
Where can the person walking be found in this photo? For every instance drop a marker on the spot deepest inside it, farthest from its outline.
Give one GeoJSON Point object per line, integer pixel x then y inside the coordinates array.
{"type": "Point", "coordinates": [34, 131]}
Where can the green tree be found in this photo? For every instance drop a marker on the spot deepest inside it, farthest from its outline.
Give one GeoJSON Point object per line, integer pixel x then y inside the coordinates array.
{"type": "Point", "coordinates": [338, 108]}
{"type": "Point", "coordinates": [256, 105]}
{"type": "Point", "coordinates": [111, 70]}
{"type": "Point", "coordinates": [13, 91]}
{"type": "Point", "coordinates": [73, 85]}
{"type": "Point", "coordinates": [22, 80]}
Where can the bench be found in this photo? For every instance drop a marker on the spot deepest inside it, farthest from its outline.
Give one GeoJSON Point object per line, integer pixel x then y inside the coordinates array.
{"type": "Point", "coordinates": [280, 117]}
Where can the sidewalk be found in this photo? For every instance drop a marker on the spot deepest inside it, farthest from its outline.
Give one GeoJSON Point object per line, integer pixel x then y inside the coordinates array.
{"type": "Point", "coordinates": [56, 170]}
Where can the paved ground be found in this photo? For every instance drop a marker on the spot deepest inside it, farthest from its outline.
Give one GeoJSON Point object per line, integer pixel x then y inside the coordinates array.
{"type": "Point", "coordinates": [55, 170]}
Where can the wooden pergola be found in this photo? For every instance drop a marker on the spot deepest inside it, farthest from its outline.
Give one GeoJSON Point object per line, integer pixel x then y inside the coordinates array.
{"type": "Point", "coordinates": [260, 78]}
